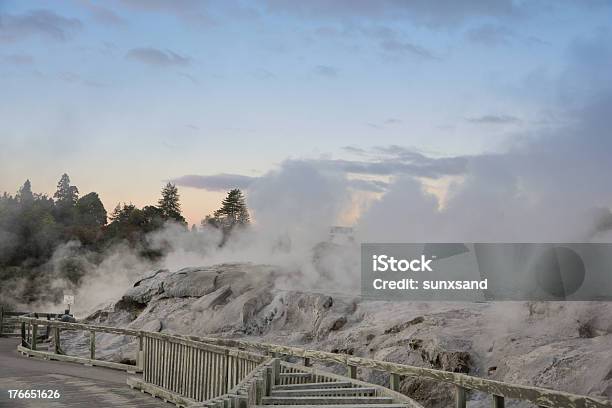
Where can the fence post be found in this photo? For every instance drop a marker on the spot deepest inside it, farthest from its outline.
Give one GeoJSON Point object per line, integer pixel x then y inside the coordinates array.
{"type": "Point", "coordinates": [259, 390]}
{"type": "Point", "coordinates": [225, 383]}
{"type": "Point", "coordinates": [92, 345]}
{"type": "Point", "coordinates": [48, 328]}
{"type": "Point", "coordinates": [351, 371]}
{"type": "Point", "coordinates": [56, 340]}
{"type": "Point", "coordinates": [275, 371]}
{"type": "Point", "coordinates": [23, 334]}
{"type": "Point", "coordinates": [498, 401]}
{"type": "Point", "coordinates": [306, 361]}
{"type": "Point", "coordinates": [269, 378]}
{"type": "Point", "coordinates": [1, 319]}
{"type": "Point", "coordinates": [395, 382]}
{"type": "Point", "coordinates": [140, 355]}
{"type": "Point", "coordinates": [34, 335]}
{"type": "Point", "coordinates": [460, 397]}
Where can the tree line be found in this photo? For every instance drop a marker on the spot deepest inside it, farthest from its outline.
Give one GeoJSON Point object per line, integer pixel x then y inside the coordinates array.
{"type": "Point", "coordinates": [33, 226]}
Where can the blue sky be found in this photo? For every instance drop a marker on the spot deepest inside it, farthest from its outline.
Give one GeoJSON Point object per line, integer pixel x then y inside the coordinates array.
{"type": "Point", "coordinates": [123, 95]}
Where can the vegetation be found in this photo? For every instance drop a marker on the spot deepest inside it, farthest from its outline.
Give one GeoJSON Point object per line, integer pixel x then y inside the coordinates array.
{"type": "Point", "coordinates": [232, 214]}
{"type": "Point", "coordinates": [43, 239]}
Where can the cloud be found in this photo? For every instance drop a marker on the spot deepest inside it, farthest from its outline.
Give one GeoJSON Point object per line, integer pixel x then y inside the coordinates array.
{"type": "Point", "coordinates": [379, 161]}
{"type": "Point", "coordinates": [446, 13]}
{"type": "Point", "coordinates": [261, 73]}
{"type": "Point", "coordinates": [156, 57]}
{"type": "Point", "coordinates": [103, 15]}
{"type": "Point", "coordinates": [189, 77]}
{"type": "Point", "coordinates": [550, 186]}
{"type": "Point", "coordinates": [373, 186]}
{"type": "Point", "coordinates": [326, 71]}
{"type": "Point", "coordinates": [402, 47]}
{"type": "Point", "coordinates": [42, 23]}
{"type": "Point", "coordinates": [354, 150]}
{"type": "Point", "coordinates": [18, 59]}
{"type": "Point", "coordinates": [417, 167]}
{"type": "Point", "coordinates": [490, 35]}
{"type": "Point", "coordinates": [215, 182]}
{"type": "Point", "coordinates": [494, 119]}
{"type": "Point", "coordinates": [191, 11]}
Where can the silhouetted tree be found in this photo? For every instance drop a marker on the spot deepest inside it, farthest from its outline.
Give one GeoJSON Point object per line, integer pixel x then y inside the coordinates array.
{"type": "Point", "coordinates": [232, 214]}
{"type": "Point", "coordinates": [25, 193]}
{"type": "Point", "coordinates": [90, 210]}
{"type": "Point", "coordinates": [66, 197]}
{"type": "Point", "coordinates": [233, 211]}
{"type": "Point", "coordinates": [169, 204]}
{"type": "Point", "coordinates": [66, 194]}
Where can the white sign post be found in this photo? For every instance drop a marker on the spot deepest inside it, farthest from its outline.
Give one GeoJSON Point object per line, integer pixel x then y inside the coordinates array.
{"type": "Point", "coordinates": [69, 300]}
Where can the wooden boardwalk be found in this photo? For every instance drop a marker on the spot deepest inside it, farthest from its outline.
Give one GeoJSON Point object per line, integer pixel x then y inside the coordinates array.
{"type": "Point", "coordinates": [208, 372]}
{"type": "Point", "coordinates": [78, 385]}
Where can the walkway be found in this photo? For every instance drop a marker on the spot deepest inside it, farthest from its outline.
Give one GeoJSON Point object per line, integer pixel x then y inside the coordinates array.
{"type": "Point", "coordinates": [78, 385]}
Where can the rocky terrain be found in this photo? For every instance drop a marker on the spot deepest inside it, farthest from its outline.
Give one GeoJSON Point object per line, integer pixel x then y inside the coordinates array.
{"type": "Point", "coordinates": [565, 345]}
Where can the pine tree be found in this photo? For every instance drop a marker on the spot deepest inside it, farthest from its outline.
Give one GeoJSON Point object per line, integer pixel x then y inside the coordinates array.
{"type": "Point", "coordinates": [66, 194]}
{"type": "Point", "coordinates": [169, 204]}
{"type": "Point", "coordinates": [91, 211]}
{"type": "Point", "coordinates": [116, 214]}
{"type": "Point", "coordinates": [233, 211]}
{"type": "Point", "coordinates": [66, 198]}
{"type": "Point", "coordinates": [25, 193]}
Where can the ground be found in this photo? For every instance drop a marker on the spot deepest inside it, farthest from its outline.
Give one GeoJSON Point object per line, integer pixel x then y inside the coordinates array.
{"type": "Point", "coordinates": [79, 386]}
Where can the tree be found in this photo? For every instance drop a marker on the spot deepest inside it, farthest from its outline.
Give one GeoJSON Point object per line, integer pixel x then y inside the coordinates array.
{"type": "Point", "coordinates": [233, 211]}
{"type": "Point", "coordinates": [169, 204]}
{"type": "Point", "coordinates": [66, 197]}
{"type": "Point", "coordinates": [91, 211]}
{"type": "Point", "coordinates": [25, 193]}
{"type": "Point", "coordinates": [66, 194]}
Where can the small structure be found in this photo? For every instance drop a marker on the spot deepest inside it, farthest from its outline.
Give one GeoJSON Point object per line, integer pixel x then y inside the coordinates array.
{"type": "Point", "coordinates": [341, 235]}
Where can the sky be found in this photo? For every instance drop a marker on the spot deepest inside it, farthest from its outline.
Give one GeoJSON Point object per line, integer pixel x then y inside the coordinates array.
{"type": "Point", "coordinates": [124, 95]}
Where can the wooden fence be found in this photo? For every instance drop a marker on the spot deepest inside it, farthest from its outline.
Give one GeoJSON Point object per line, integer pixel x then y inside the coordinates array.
{"type": "Point", "coordinates": [177, 368]}
{"type": "Point", "coordinates": [9, 324]}
{"type": "Point", "coordinates": [499, 391]}
{"type": "Point", "coordinates": [195, 370]}
{"type": "Point", "coordinates": [188, 370]}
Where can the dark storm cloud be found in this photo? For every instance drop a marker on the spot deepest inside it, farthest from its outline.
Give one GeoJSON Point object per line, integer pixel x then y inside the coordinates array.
{"type": "Point", "coordinates": [38, 23]}
{"type": "Point", "coordinates": [494, 119]}
{"type": "Point", "coordinates": [215, 182]}
{"type": "Point", "coordinates": [157, 57]}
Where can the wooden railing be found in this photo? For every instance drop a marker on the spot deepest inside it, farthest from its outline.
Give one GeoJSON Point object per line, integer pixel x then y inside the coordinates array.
{"type": "Point", "coordinates": [32, 342]}
{"type": "Point", "coordinates": [9, 325]}
{"type": "Point", "coordinates": [206, 371]}
{"type": "Point", "coordinates": [195, 370]}
{"type": "Point", "coordinates": [498, 390]}
{"type": "Point", "coordinates": [176, 368]}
